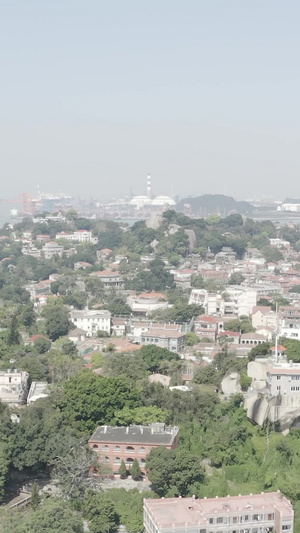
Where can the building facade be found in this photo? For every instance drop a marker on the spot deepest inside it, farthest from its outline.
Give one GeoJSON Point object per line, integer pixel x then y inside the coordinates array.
{"type": "Point", "coordinates": [92, 321]}
{"type": "Point", "coordinates": [115, 444]}
{"type": "Point", "coordinates": [254, 513]}
{"type": "Point", "coordinates": [283, 378]}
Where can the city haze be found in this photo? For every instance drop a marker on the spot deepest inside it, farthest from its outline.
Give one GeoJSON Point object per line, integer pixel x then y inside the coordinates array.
{"type": "Point", "coordinates": [203, 95]}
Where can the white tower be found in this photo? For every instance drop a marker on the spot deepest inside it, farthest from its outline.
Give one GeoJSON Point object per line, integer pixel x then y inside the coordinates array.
{"type": "Point", "coordinates": [149, 191]}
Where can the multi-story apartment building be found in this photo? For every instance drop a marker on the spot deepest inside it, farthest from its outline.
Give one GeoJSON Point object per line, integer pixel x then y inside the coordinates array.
{"type": "Point", "coordinates": [126, 443]}
{"type": "Point", "coordinates": [92, 321]}
{"type": "Point", "coordinates": [262, 315]}
{"type": "Point", "coordinates": [254, 513]}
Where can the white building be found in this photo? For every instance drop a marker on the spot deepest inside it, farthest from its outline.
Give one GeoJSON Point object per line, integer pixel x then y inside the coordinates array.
{"type": "Point", "coordinates": [52, 249]}
{"type": "Point", "coordinates": [13, 387]}
{"type": "Point", "coordinates": [254, 513]}
{"type": "Point", "coordinates": [92, 321]}
{"type": "Point", "coordinates": [283, 378]}
{"type": "Point", "coordinates": [241, 300]}
{"type": "Point", "coordinates": [290, 329]}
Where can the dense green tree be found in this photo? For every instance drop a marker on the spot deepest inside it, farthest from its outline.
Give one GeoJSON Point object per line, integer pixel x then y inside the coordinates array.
{"type": "Point", "coordinates": [42, 345]}
{"type": "Point", "coordinates": [135, 471]}
{"type": "Point", "coordinates": [197, 281]}
{"type": "Point", "coordinates": [173, 472]}
{"type": "Point", "coordinates": [141, 416]}
{"type": "Point", "coordinates": [57, 322]}
{"type": "Point", "coordinates": [191, 339]}
{"type": "Point", "coordinates": [90, 400]}
{"type": "Point", "coordinates": [118, 307]}
{"type": "Point", "coordinates": [153, 355]}
{"type": "Point", "coordinates": [35, 497]}
{"type": "Point", "coordinates": [236, 278]}
{"type": "Point", "coordinates": [13, 333]}
{"type": "Point", "coordinates": [28, 316]}
{"type": "Point", "coordinates": [100, 512]}
{"type": "Point", "coordinates": [53, 516]}
{"type": "Point", "coordinates": [207, 375]}
{"type": "Point", "coordinates": [122, 470]}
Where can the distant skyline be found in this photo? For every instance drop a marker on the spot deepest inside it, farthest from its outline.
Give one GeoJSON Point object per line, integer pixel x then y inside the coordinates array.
{"type": "Point", "coordinates": [201, 94]}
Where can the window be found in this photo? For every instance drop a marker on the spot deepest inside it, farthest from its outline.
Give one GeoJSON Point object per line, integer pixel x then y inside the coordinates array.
{"type": "Point", "coordinates": [278, 377]}
{"type": "Point", "coordinates": [105, 459]}
{"type": "Point", "coordinates": [105, 448]}
{"type": "Point", "coordinates": [130, 449]}
{"type": "Point", "coordinates": [95, 446]}
{"type": "Point", "coordinates": [235, 520]}
{"type": "Point", "coordinates": [117, 460]}
{"type": "Point", "coordinates": [286, 527]}
{"type": "Point", "coordinates": [142, 449]}
{"type": "Point", "coordinates": [278, 388]}
{"type": "Point", "coordinates": [117, 449]}
{"type": "Point", "coordinates": [220, 520]}
{"type": "Point", "coordinates": [256, 517]}
{"type": "Point", "coordinates": [271, 516]}
{"type": "Point", "coordinates": [211, 520]}
{"type": "Point", "coordinates": [202, 531]}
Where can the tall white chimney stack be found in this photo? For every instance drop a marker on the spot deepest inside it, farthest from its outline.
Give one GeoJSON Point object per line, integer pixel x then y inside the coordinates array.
{"type": "Point", "coordinates": [149, 188]}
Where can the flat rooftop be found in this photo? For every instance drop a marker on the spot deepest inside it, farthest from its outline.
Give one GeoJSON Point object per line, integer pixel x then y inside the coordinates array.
{"type": "Point", "coordinates": [178, 512]}
{"type": "Point", "coordinates": [159, 435]}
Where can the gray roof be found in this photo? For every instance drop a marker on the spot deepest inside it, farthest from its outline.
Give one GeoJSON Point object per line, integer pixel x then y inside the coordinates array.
{"type": "Point", "coordinates": [155, 434]}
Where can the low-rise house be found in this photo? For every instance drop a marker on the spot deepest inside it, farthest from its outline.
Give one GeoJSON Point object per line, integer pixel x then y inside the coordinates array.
{"type": "Point", "coordinates": [81, 265]}
{"type": "Point", "coordinates": [110, 279]}
{"type": "Point", "coordinates": [206, 326]}
{"type": "Point", "coordinates": [118, 327]}
{"type": "Point", "coordinates": [232, 336]}
{"type": "Point", "coordinates": [39, 289]}
{"type": "Point", "coordinates": [42, 237]}
{"type": "Point", "coordinates": [126, 443]}
{"type": "Point", "coordinates": [14, 387]}
{"type": "Point", "coordinates": [77, 335]}
{"type": "Point", "coordinates": [52, 249]}
{"type": "Point", "coordinates": [266, 331]}
{"type": "Point", "coordinates": [171, 340]}
{"type": "Point", "coordinates": [31, 340]}
{"type": "Point", "coordinates": [252, 339]}
{"type": "Point", "coordinates": [92, 321]}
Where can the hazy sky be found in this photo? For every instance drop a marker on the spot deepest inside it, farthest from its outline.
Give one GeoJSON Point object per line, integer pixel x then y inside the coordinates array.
{"type": "Point", "coordinates": [204, 94]}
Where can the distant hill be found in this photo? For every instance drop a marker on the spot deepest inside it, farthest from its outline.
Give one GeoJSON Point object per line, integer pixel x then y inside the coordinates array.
{"type": "Point", "coordinates": [210, 204]}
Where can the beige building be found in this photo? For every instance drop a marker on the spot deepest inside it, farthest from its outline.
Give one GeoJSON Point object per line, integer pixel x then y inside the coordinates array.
{"type": "Point", "coordinates": [262, 315]}
{"type": "Point", "coordinates": [254, 513]}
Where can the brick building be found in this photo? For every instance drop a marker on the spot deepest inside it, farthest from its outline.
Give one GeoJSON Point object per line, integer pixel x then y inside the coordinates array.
{"type": "Point", "coordinates": [254, 513]}
{"type": "Point", "coordinates": [114, 444]}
